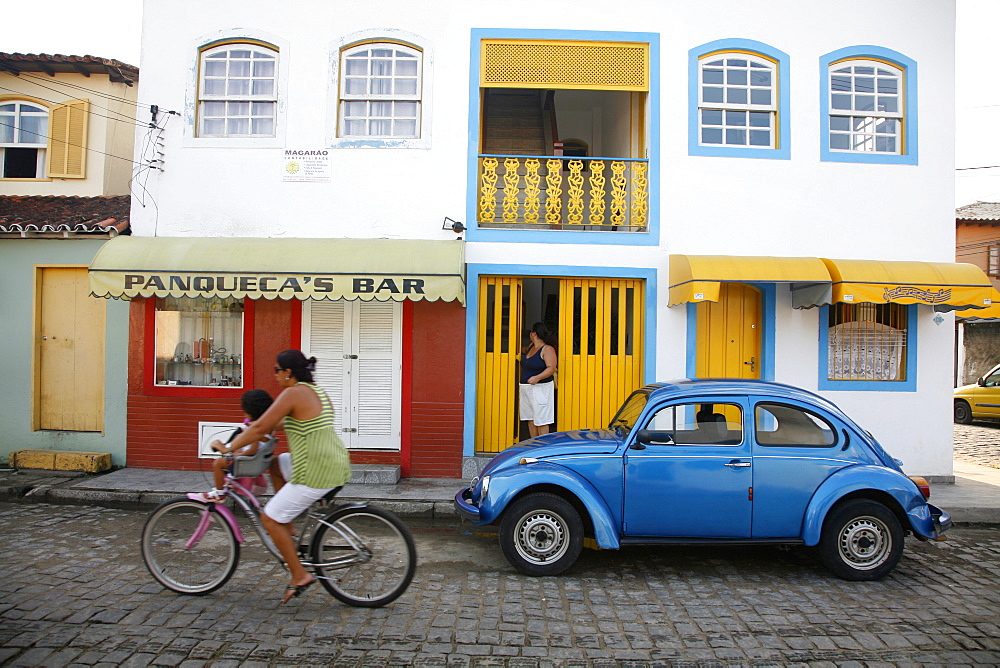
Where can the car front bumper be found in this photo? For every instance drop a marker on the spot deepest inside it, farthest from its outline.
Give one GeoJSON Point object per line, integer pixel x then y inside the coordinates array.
{"type": "Point", "coordinates": [465, 507]}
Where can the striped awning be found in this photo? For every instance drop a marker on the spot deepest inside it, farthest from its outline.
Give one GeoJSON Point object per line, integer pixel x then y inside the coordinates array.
{"type": "Point", "coordinates": [255, 268]}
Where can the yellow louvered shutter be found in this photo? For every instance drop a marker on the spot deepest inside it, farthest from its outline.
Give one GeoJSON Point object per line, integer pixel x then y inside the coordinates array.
{"type": "Point", "coordinates": [68, 140]}
{"type": "Point", "coordinates": [512, 63]}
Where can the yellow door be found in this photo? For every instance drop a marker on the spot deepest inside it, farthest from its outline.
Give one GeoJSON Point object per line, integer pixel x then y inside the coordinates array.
{"type": "Point", "coordinates": [499, 334]}
{"type": "Point", "coordinates": [729, 334]}
{"type": "Point", "coordinates": [600, 349]}
{"type": "Point", "coordinates": [70, 363]}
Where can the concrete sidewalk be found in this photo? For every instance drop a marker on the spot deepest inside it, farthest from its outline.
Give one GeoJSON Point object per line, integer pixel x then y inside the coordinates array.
{"type": "Point", "coordinates": [974, 497]}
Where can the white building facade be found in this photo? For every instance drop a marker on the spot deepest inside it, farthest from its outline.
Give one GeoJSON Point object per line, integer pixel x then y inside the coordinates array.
{"type": "Point", "coordinates": [676, 189]}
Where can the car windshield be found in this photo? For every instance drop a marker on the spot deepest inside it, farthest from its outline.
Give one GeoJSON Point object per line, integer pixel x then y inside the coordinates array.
{"type": "Point", "coordinates": [629, 412]}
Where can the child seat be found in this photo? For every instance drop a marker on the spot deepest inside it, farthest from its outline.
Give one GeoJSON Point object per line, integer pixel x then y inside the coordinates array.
{"type": "Point", "coordinates": [251, 466]}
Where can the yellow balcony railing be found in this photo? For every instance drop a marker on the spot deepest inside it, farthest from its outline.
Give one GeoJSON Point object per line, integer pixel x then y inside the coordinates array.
{"type": "Point", "coordinates": [553, 192]}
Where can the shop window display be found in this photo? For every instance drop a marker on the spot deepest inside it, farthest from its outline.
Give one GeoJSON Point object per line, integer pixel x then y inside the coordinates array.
{"type": "Point", "coordinates": [199, 341]}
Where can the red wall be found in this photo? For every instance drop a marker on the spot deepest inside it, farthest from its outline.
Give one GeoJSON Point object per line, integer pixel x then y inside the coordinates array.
{"type": "Point", "coordinates": [163, 430]}
{"type": "Point", "coordinates": [438, 387]}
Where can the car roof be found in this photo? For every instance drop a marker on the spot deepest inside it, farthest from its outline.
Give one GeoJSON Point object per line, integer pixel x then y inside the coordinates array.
{"type": "Point", "coordinates": [723, 386]}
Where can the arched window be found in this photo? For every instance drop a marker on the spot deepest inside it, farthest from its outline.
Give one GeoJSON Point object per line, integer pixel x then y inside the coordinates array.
{"type": "Point", "coordinates": [237, 91]}
{"type": "Point", "coordinates": [866, 107]}
{"type": "Point", "coordinates": [380, 91]}
{"type": "Point", "coordinates": [24, 130]}
{"type": "Point", "coordinates": [738, 101]}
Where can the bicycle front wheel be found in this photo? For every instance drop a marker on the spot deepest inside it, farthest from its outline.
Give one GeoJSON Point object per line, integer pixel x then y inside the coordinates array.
{"type": "Point", "coordinates": [188, 547]}
{"type": "Point", "coordinates": [364, 556]}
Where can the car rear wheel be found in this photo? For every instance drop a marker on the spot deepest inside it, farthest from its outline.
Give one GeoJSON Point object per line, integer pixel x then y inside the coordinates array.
{"type": "Point", "coordinates": [541, 534]}
{"type": "Point", "coordinates": [862, 540]}
{"type": "Point", "coordinates": [963, 413]}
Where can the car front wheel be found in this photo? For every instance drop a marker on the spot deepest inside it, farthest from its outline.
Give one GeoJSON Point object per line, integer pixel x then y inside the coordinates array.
{"type": "Point", "coordinates": [541, 534]}
{"type": "Point", "coordinates": [963, 413]}
{"type": "Point", "coordinates": [862, 540]}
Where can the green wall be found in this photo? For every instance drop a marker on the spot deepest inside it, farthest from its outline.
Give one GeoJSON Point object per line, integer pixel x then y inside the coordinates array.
{"type": "Point", "coordinates": [18, 258]}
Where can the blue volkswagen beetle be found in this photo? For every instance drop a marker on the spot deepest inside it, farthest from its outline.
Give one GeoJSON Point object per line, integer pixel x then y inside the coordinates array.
{"type": "Point", "coordinates": [706, 462]}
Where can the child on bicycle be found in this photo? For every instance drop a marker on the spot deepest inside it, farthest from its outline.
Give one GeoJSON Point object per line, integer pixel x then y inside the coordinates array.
{"type": "Point", "coordinates": [253, 403]}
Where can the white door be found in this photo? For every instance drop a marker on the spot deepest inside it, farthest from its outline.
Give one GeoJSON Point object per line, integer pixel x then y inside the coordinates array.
{"type": "Point", "coordinates": [358, 350]}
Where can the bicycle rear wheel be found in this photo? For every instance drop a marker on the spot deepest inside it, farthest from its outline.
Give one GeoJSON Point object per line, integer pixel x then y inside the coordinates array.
{"type": "Point", "coordinates": [189, 548]}
{"type": "Point", "coordinates": [364, 556]}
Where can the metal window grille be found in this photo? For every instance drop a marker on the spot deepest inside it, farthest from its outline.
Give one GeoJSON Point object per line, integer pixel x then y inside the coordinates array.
{"type": "Point", "coordinates": [867, 342]}
{"type": "Point", "coordinates": [993, 267]}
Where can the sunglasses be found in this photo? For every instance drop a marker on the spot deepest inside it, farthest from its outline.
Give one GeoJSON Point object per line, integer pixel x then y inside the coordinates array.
{"type": "Point", "coordinates": [277, 368]}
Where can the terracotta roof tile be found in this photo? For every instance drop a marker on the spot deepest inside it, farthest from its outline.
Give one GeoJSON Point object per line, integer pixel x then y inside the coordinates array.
{"type": "Point", "coordinates": [985, 211]}
{"type": "Point", "coordinates": [120, 72]}
{"type": "Point", "coordinates": [33, 215]}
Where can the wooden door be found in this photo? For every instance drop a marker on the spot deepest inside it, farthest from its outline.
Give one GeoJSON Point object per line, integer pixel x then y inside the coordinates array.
{"type": "Point", "coordinates": [498, 346]}
{"type": "Point", "coordinates": [729, 334]}
{"type": "Point", "coordinates": [70, 352]}
{"type": "Point", "coordinates": [600, 349]}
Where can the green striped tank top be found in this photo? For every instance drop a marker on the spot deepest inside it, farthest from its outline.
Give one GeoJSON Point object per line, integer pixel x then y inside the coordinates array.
{"type": "Point", "coordinates": [319, 458]}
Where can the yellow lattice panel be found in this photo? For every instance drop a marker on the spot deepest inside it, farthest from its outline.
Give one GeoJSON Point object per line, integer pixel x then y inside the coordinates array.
{"type": "Point", "coordinates": [564, 65]}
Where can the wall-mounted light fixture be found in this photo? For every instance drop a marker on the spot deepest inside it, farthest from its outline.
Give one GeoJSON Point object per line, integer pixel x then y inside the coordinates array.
{"type": "Point", "coordinates": [452, 225]}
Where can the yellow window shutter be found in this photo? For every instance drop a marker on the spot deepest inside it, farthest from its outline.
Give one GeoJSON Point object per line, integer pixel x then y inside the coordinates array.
{"type": "Point", "coordinates": [68, 140]}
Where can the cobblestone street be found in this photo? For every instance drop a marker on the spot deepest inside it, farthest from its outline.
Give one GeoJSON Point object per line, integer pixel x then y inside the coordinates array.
{"type": "Point", "coordinates": [978, 443]}
{"type": "Point", "coordinates": [75, 592]}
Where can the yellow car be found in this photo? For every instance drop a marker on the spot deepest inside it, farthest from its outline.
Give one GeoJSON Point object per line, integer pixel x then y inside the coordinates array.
{"type": "Point", "coordinates": [979, 401]}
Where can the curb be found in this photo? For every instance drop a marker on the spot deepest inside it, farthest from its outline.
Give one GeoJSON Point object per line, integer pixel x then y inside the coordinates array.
{"type": "Point", "coordinates": [425, 509]}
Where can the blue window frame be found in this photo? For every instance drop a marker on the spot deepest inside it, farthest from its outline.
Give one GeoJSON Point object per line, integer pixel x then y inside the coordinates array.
{"type": "Point", "coordinates": [868, 102]}
{"type": "Point", "coordinates": [878, 353]}
{"type": "Point", "coordinates": [477, 233]}
{"type": "Point", "coordinates": [738, 100]}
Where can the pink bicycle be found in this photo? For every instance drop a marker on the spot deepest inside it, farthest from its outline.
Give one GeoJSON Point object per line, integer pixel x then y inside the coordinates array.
{"type": "Point", "coordinates": [363, 555]}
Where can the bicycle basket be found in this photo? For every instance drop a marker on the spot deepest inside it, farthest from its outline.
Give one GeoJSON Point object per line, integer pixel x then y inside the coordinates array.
{"type": "Point", "coordinates": [253, 465]}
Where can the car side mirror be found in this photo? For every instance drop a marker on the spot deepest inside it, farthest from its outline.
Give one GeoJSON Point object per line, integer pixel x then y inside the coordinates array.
{"type": "Point", "coordinates": [651, 437]}
{"type": "Point", "coordinates": [982, 382]}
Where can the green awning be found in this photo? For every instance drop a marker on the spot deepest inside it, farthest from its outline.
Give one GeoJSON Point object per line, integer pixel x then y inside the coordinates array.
{"type": "Point", "coordinates": [255, 268]}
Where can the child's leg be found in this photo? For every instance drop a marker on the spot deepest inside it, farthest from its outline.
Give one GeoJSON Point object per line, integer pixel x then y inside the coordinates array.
{"type": "Point", "coordinates": [219, 469]}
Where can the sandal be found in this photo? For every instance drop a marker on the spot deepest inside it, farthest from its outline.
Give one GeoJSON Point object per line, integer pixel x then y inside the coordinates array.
{"type": "Point", "coordinates": [210, 497]}
{"type": "Point", "coordinates": [294, 590]}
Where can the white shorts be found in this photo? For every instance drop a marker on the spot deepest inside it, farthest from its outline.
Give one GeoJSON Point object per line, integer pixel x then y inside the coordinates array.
{"type": "Point", "coordinates": [292, 499]}
{"type": "Point", "coordinates": [538, 402]}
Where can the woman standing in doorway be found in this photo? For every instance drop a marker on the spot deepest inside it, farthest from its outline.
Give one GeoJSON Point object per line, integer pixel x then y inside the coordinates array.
{"type": "Point", "coordinates": [537, 389]}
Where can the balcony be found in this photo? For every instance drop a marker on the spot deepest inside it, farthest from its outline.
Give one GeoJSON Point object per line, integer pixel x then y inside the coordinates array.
{"type": "Point", "coordinates": [563, 193]}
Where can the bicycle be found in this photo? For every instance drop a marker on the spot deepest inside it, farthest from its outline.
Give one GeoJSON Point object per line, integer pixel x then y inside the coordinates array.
{"type": "Point", "coordinates": [364, 556]}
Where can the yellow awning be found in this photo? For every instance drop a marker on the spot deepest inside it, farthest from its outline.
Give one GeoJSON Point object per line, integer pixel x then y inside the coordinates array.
{"type": "Point", "coordinates": [945, 285]}
{"type": "Point", "coordinates": [697, 278]}
{"type": "Point", "coordinates": [991, 312]}
{"type": "Point", "coordinates": [365, 269]}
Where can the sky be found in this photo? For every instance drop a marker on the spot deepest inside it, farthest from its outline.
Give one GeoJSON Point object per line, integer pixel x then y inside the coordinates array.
{"type": "Point", "coordinates": [74, 28]}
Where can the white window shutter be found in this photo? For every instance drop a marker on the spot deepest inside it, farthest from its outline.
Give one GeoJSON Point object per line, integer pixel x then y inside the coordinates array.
{"type": "Point", "coordinates": [379, 350]}
{"type": "Point", "coordinates": [326, 344]}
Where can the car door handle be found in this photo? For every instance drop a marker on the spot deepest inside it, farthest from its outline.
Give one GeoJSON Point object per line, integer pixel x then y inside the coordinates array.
{"type": "Point", "coordinates": [737, 464]}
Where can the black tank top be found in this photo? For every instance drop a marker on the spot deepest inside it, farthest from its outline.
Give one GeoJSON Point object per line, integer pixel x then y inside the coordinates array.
{"type": "Point", "coordinates": [534, 365]}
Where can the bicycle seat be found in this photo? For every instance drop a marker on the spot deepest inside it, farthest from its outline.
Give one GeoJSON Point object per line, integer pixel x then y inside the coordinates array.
{"type": "Point", "coordinates": [251, 466]}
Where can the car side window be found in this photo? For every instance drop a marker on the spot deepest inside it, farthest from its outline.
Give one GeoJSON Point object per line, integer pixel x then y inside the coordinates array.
{"type": "Point", "coordinates": [699, 424]}
{"type": "Point", "coordinates": [992, 380]}
{"type": "Point", "coordinates": [783, 425]}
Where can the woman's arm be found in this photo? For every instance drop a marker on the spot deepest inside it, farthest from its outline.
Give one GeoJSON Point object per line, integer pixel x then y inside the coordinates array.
{"type": "Point", "coordinates": [264, 425]}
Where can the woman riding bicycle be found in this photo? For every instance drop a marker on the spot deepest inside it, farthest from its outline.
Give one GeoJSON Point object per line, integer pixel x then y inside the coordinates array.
{"type": "Point", "coordinates": [320, 463]}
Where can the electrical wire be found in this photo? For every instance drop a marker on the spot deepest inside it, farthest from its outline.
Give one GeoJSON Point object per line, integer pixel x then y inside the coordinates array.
{"type": "Point", "coordinates": [70, 84]}
{"type": "Point", "coordinates": [965, 169]}
{"type": "Point", "coordinates": [86, 148]}
{"type": "Point", "coordinates": [125, 119]}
